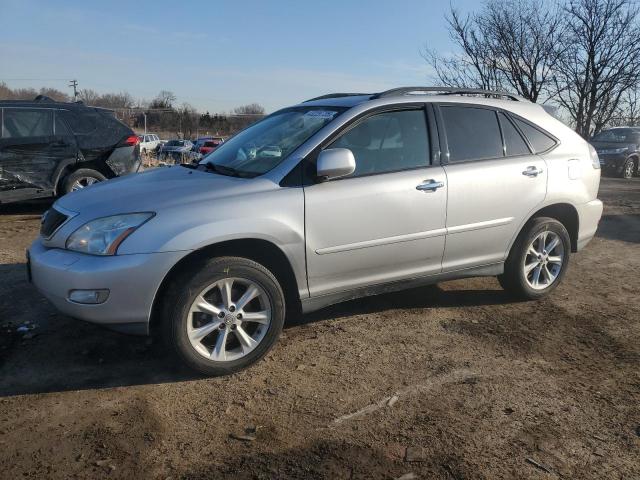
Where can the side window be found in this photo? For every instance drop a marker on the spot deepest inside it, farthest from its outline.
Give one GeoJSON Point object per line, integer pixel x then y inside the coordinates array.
{"type": "Point", "coordinates": [61, 129]}
{"type": "Point", "coordinates": [513, 141]}
{"type": "Point", "coordinates": [540, 141]}
{"type": "Point", "coordinates": [26, 123]}
{"type": "Point", "coordinates": [472, 133]}
{"type": "Point", "coordinates": [78, 122]}
{"type": "Point", "coordinates": [388, 142]}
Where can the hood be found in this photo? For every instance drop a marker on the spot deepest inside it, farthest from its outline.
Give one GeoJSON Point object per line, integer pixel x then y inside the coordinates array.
{"type": "Point", "coordinates": [157, 190]}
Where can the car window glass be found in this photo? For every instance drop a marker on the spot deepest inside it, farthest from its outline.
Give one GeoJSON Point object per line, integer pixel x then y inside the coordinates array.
{"type": "Point", "coordinates": [388, 142]}
{"type": "Point", "coordinates": [61, 128]}
{"type": "Point", "coordinates": [539, 140]}
{"type": "Point", "coordinates": [513, 141]}
{"type": "Point", "coordinates": [25, 123]}
{"type": "Point", "coordinates": [472, 133]}
{"type": "Point", "coordinates": [80, 123]}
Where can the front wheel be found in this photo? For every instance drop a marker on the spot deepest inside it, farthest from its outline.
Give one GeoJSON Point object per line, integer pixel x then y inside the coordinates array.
{"type": "Point", "coordinates": [224, 316]}
{"type": "Point", "coordinates": [538, 259]}
{"type": "Point", "coordinates": [628, 168]}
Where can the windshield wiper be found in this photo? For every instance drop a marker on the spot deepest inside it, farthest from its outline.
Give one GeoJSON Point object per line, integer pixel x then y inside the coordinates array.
{"type": "Point", "coordinates": [229, 171]}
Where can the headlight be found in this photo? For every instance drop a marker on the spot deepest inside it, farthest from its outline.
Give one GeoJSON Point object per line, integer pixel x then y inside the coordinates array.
{"type": "Point", "coordinates": [595, 161]}
{"type": "Point", "coordinates": [104, 235]}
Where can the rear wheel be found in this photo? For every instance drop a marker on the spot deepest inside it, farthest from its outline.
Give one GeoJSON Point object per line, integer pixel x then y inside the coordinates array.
{"type": "Point", "coordinates": [538, 259]}
{"type": "Point", "coordinates": [82, 178]}
{"type": "Point", "coordinates": [224, 316]}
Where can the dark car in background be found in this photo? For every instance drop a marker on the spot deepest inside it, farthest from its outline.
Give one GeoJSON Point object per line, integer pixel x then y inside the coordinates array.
{"type": "Point", "coordinates": [178, 151]}
{"type": "Point", "coordinates": [619, 150]}
{"type": "Point", "coordinates": [50, 148]}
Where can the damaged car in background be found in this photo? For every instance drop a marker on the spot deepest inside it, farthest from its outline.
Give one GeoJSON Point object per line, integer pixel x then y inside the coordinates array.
{"type": "Point", "coordinates": [50, 148]}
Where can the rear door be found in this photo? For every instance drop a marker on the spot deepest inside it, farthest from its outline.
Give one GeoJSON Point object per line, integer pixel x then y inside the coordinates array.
{"type": "Point", "coordinates": [495, 182]}
{"type": "Point", "coordinates": [28, 158]}
{"type": "Point", "coordinates": [379, 224]}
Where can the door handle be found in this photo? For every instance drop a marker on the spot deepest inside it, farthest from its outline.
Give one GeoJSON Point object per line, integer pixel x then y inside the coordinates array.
{"type": "Point", "coordinates": [430, 185]}
{"type": "Point", "coordinates": [532, 171]}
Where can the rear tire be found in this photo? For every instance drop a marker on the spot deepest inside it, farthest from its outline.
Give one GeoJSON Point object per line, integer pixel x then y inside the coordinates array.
{"type": "Point", "coordinates": [82, 178]}
{"type": "Point", "coordinates": [538, 259]}
{"type": "Point", "coordinates": [209, 325]}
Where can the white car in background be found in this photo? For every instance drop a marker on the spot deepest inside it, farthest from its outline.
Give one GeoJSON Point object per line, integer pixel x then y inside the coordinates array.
{"type": "Point", "coordinates": [149, 143]}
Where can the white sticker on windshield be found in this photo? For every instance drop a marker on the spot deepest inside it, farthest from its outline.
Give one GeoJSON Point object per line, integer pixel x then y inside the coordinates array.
{"type": "Point", "coordinates": [324, 114]}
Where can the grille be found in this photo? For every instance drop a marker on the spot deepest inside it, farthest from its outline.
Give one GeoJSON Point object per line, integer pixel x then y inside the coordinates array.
{"type": "Point", "coordinates": [51, 220]}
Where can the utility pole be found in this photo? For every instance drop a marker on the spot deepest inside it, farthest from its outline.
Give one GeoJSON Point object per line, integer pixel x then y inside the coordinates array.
{"type": "Point", "coordinates": [74, 84]}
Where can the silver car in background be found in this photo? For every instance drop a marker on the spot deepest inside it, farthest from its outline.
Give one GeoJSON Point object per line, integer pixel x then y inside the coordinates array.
{"type": "Point", "coordinates": [339, 197]}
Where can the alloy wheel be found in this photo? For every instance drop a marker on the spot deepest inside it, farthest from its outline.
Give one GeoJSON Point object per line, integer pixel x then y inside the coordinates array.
{"type": "Point", "coordinates": [228, 319]}
{"type": "Point", "coordinates": [83, 182]}
{"type": "Point", "coordinates": [543, 260]}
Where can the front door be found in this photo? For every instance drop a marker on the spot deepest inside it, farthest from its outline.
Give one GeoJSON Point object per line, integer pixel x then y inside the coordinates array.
{"type": "Point", "coordinates": [386, 221]}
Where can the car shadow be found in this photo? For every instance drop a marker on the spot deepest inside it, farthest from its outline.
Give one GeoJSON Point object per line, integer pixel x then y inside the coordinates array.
{"type": "Point", "coordinates": [625, 227]}
{"type": "Point", "coordinates": [427, 297]}
{"type": "Point", "coordinates": [31, 207]}
{"type": "Point", "coordinates": [54, 353]}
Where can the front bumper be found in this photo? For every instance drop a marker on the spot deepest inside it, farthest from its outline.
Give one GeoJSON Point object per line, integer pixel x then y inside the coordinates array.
{"type": "Point", "coordinates": [612, 163]}
{"type": "Point", "coordinates": [132, 282]}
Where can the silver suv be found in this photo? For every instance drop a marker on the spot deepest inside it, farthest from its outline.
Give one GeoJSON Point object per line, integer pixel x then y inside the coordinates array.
{"type": "Point", "coordinates": [342, 196]}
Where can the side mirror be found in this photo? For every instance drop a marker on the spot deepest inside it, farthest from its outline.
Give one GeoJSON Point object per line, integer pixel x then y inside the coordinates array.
{"type": "Point", "coordinates": [335, 163]}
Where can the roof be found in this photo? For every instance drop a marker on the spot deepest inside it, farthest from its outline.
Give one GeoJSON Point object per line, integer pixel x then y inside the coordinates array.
{"type": "Point", "coordinates": [42, 101]}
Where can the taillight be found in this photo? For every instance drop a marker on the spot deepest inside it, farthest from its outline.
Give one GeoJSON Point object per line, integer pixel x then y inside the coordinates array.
{"type": "Point", "coordinates": [130, 141]}
{"type": "Point", "coordinates": [595, 160]}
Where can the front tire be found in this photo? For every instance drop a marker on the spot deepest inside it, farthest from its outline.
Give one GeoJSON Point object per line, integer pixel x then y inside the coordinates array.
{"type": "Point", "coordinates": [538, 259]}
{"type": "Point", "coordinates": [628, 169]}
{"type": "Point", "coordinates": [225, 315]}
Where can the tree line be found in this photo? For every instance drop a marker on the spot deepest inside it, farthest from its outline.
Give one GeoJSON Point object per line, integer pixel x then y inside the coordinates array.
{"type": "Point", "coordinates": [162, 112]}
{"type": "Point", "coordinates": [582, 56]}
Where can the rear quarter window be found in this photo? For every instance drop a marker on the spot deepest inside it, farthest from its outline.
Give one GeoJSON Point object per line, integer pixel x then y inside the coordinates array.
{"type": "Point", "coordinates": [539, 140]}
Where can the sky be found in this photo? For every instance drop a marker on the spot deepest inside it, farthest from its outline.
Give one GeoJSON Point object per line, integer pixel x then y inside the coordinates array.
{"type": "Point", "coordinates": [216, 55]}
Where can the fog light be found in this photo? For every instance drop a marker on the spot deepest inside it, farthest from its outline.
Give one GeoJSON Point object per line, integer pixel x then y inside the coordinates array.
{"type": "Point", "coordinates": [91, 297]}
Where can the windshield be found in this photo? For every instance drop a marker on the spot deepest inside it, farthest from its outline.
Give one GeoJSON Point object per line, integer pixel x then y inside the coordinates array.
{"type": "Point", "coordinates": [618, 135]}
{"type": "Point", "coordinates": [265, 144]}
{"type": "Point", "coordinates": [175, 143]}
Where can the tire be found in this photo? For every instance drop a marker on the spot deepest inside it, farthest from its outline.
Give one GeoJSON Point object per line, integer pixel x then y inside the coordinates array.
{"type": "Point", "coordinates": [523, 285]}
{"type": "Point", "coordinates": [182, 318]}
{"type": "Point", "coordinates": [82, 178]}
{"type": "Point", "coordinates": [628, 169]}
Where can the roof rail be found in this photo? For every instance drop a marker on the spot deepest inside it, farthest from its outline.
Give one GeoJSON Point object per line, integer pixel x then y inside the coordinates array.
{"type": "Point", "coordinates": [447, 91]}
{"type": "Point", "coordinates": [335, 95]}
{"type": "Point", "coordinates": [43, 98]}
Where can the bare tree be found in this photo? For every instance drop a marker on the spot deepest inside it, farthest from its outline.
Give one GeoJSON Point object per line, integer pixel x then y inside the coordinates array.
{"type": "Point", "coordinates": [164, 99]}
{"type": "Point", "coordinates": [88, 96]}
{"type": "Point", "coordinates": [512, 44]}
{"type": "Point", "coordinates": [601, 62]}
{"type": "Point", "coordinates": [250, 109]}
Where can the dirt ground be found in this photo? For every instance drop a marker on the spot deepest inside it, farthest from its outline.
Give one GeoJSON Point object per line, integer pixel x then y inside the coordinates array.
{"type": "Point", "coordinates": [455, 381]}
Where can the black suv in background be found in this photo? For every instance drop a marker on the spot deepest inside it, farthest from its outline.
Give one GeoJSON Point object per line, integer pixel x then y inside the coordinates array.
{"type": "Point", "coordinates": [52, 148]}
{"type": "Point", "coordinates": [619, 150]}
